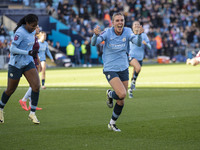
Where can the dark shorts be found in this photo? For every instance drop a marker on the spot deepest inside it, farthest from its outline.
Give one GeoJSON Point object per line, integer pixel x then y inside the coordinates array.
{"type": "Point", "coordinates": [140, 61]}
{"type": "Point", "coordinates": [123, 75]}
{"type": "Point", "coordinates": [16, 73]}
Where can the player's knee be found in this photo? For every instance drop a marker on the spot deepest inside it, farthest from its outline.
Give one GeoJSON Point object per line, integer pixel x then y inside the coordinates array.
{"type": "Point", "coordinates": [9, 92]}
{"type": "Point", "coordinates": [138, 69]}
{"type": "Point", "coordinates": [36, 88]}
{"type": "Point", "coordinates": [120, 103]}
{"type": "Point", "coordinates": [122, 95]}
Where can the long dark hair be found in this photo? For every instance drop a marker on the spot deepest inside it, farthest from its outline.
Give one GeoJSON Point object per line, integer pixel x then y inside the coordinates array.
{"type": "Point", "coordinates": [30, 18]}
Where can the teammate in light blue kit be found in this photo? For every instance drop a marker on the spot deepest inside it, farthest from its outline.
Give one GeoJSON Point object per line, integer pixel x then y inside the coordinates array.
{"type": "Point", "coordinates": [21, 62]}
{"type": "Point", "coordinates": [115, 61]}
{"type": "Point", "coordinates": [42, 54]}
{"type": "Point", "coordinates": [36, 47]}
{"type": "Point", "coordinates": [136, 56]}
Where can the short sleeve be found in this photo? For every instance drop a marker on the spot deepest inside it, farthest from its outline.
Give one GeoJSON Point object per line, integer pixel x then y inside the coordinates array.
{"type": "Point", "coordinates": [18, 37]}
{"type": "Point", "coordinates": [103, 35]}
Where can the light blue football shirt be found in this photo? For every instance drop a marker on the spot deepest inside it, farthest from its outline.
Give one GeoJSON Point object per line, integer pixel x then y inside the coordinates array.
{"type": "Point", "coordinates": [115, 50]}
{"type": "Point", "coordinates": [43, 51]}
{"type": "Point", "coordinates": [138, 52]}
{"type": "Point", "coordinates": [24, 41]}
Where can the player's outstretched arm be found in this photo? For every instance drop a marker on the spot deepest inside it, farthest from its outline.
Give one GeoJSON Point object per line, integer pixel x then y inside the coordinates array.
{"type": "Point", "coordinates": [141, 30]}
{"type": "Point", "coordinates": [137, 40]}
{"type": "Point", "coordinates": [146, 41]}
{"type": "Point", "coordinates": [97, 31]}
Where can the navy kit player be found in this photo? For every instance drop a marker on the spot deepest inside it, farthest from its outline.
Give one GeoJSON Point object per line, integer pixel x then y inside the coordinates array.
{"type": "Point", "coordinates": [115, 61]}
{"type": "Point", "coordinates": [42, 54]}
{"type": "Point", "coordinates": [21, 62]}
{"type": "Point", "coordinates": [136, 56]}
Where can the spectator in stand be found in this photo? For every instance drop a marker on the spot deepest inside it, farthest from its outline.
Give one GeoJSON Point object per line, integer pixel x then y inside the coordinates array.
{"type": "Point", "coordinates": [88, 53]}
{"type": "Point", "coordinates": [49, 10]}
{"type": "Point", "coordinates": [165, 47]}
{"type": "Point", "coordinates": [2, 33]}
{"type": "Point", "coordinates": [82, 24]}
{"type": "Point", "coordinates": [170, 47]}
{"type": "Point", "coordinates": [4, 48]}
{"type": "Point", "coordinates": [77, 52]}
{"type": "Point", "coordinates": [153, 46]}
{"type": "Point", "coordinates": [128, 18]}
{"type": "Point", "coordinates": [182, 47]}
{"type": "Point", "coordinates": [86, 15]}
{"type": "Point", "coordinates": [83, 33]}
{"type": "Point", "coordinates": [54, 14]}
{"type": "Point", "coordinates": [2, 30]}
{"type": "Point", "coordinates": [70, 3]}
{"type": "Point", "coordinates": [73, 24]}
{"type": "Point", "coordinates": [107, 20]}
{"type": "Point", "coordinates": [70, 50]}
{"type": "Point", "coordinates": [93, 23]}
{"type": "Point", "coordinates": [159, 45]}
{"type": "Point", "coordinates": [83, 52]}
{"type": "Point", "coordinates": [57, 46]}
{"type": "Point", "coordinates": [99, 10]}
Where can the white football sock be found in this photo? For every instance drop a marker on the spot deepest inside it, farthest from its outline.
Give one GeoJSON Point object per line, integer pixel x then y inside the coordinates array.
{"type": "Point", "coordinates": [27, 95]}
{"type": "Point", "coordinates": [112, 121]}
{"type": "Point", "coordinates": [31, 112]}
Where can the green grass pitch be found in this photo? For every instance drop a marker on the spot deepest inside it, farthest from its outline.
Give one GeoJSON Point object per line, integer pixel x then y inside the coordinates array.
{"type": "Point", "coordinates": [163, 115]}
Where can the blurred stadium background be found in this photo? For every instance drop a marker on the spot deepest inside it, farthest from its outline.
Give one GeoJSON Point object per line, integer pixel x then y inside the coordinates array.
{"type": "Point", "coordinates": [172, 26]}
{"type": "Point", "coordinates": [164, 114]}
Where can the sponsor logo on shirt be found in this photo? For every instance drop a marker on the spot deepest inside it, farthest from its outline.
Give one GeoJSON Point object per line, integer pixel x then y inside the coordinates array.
{"type": "Point", "coordinates": [116, 46]}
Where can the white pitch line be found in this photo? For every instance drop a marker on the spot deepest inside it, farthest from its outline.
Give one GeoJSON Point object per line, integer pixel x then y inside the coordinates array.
{"type": "Point", "coordinates": [153, 83]}
{"type": "Point", "coordinates": [143, 89]}
{"type": "Point", "coordinates": [103, 89]}
{"type": "Point", "coordinates": [106, 84]}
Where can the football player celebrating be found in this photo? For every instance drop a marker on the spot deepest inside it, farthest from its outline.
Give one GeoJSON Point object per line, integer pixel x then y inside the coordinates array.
{"type": "Point", "coordinates": [115, 61]}
{"type": "Point", "coordinates": [136, 55]}
{"type": "Point", "coordinates": [42, 55]}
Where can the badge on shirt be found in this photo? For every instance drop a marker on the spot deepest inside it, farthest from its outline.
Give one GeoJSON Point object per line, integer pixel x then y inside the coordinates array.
{"type": "Point", "coordinates": [16, 37]}
{"type": "Point", "coordinates": [124, 39]}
